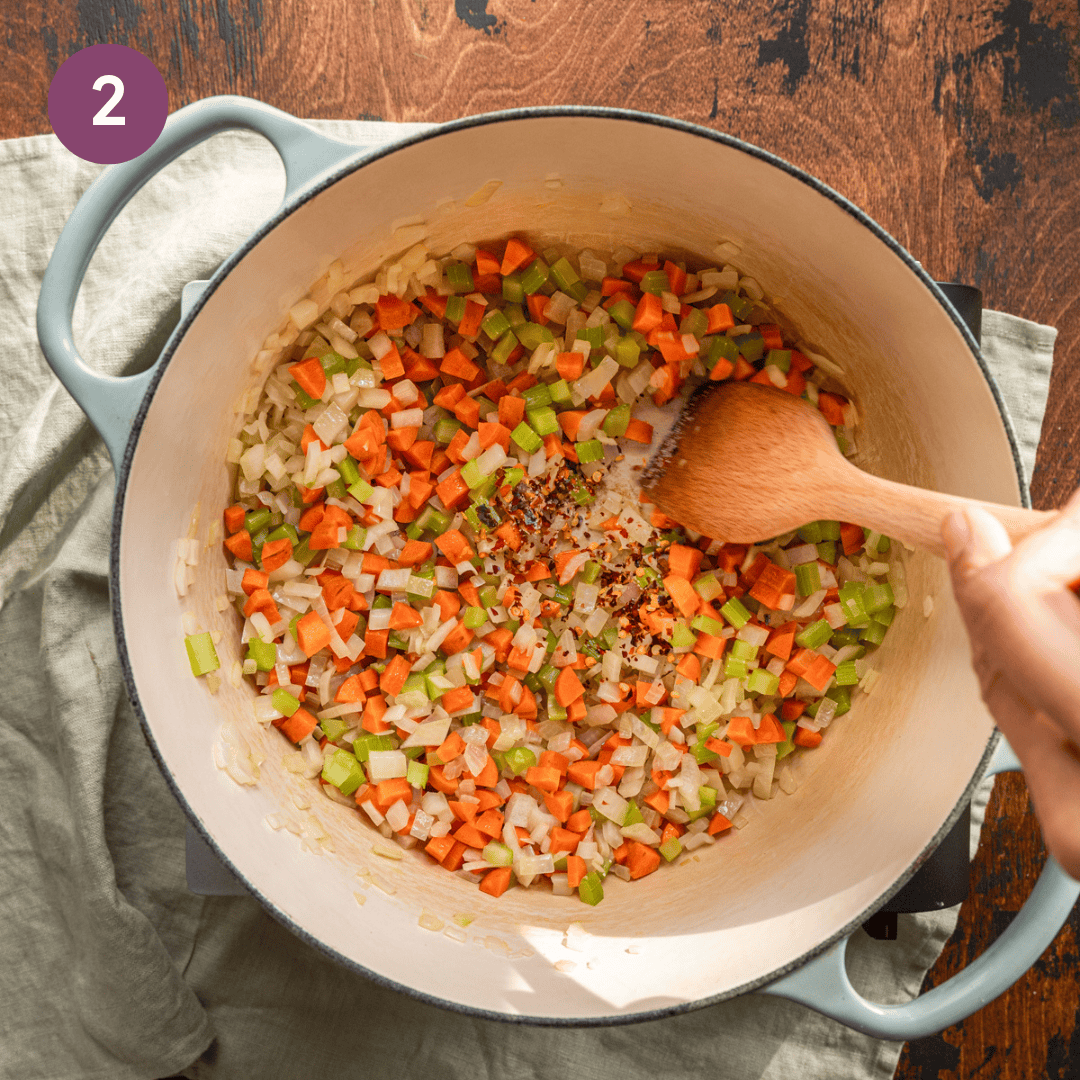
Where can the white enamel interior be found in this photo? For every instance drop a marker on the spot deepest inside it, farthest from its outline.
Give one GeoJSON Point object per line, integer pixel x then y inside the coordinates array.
{"type": "Point", "coordinates": [885, 779]}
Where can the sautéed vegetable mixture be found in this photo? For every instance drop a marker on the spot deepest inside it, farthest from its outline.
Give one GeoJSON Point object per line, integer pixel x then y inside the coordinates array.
{"type": "Point", "coordinates": [457, 607]}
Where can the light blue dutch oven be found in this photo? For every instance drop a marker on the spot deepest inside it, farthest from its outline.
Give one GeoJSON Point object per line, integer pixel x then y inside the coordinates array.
{"type": "Point", "coordinates": [769, 909]}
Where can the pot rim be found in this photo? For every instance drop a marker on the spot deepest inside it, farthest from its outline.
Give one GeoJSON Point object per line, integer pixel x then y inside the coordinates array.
{"type": "Point", "coordinates": [346, 168]}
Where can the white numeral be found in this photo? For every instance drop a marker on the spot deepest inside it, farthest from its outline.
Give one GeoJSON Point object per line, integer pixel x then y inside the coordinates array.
{"type": "Point", "coordinates": [104, 115]}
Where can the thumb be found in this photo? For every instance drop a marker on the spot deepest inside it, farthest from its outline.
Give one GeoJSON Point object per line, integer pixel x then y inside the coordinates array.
{"type": "Point", "coordinates": [973, 539]}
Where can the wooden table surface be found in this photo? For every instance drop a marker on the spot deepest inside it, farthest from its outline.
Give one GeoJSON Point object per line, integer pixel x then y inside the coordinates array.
{"type": "Point", "coordinates": [955, 125]}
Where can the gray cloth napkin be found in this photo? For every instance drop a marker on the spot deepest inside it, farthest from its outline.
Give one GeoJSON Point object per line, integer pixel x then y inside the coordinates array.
{"type": "Point", "coordinates": [109, 967]}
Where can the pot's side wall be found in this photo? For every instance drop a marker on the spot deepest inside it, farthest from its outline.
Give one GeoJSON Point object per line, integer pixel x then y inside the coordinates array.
{"type": "Point", "coordinates": [887, 776]}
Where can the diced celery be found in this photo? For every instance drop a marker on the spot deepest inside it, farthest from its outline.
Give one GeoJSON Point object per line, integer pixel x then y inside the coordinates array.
{"type": "Point", "coordinates": [519, 759]}
{"type": "Point", "coordinates": [627, 352]}
{"type": "Point", "coordinates": [751, 345]}
{"type": "Point", "coordinates": [844, 636]}
{"type": "Point", "coordinates": [532, 335]}
{"type": "Point", "coordinates": [708, 625]}
{"type": "Point", "coordinates": [263, 653]}
{"type": "Point", "coordinates": [504, 347]}
{"type": "Point", "coordinates": [361, 490]}
{"type": "Point", "coordinates": [719, 347]}
{"type": "Point", "coordinates": [343, 771]}
{"type": "Point", "coordinates": [655, 282]}
{"type": "Point", "coordinates": [594, 335]}
{"type": "Point", "coordinates": [201, 654]}
{"type": "Point", "coordinates": [708, 586]}
{"type": "Point", "coordinates": [671, 848]}
{"type": "Point", "coordinates": [285, 532]}
{"type": "Point", "coordinates": [787, 746]}
{"type": "Point", "coordinates": [526, 438]}
{"type": "Point", "coordinates": [566, 279]}
{"type": "Point", "coordinates": [885, 616]}
{"type": "Point", "coordinates": [851, 603]}
{"type": "Point", "coordinates": [590, 450]}
{"type": "Point", "coordinates": [332, 363]}
{"type": "Point", "coordinates": [617, 421]}
{"type": "Point", "coordinates": [814, 635]}
{"type": "Point", "coordinates": [873, 633]}
{"type": "Point", "coordinates": [845, 674]}
{"type": "Point", "coordinates": [367, 742]}
{"type": "Point", "coordinates": [354, 541]}
{"type": "Point", "coordinates": [459, 277]}
{"type": "Point", "coordinates": [830, 530]}
{"type": "Point", "coordinates": [807, 578]}
{"type": "Point", "coordinates": [563, 594]}
{"type": "Point", "coordinates": [740, 305]}
{"type": "Point", "coordinates": [513, 477]}
{"type": "Point", "coordinates": [877, 596]}
{"type": "Point", "coordinates": [497, 854]}
{"type": "Point", "coordinates": [735, 612]}
{"type": "Point", "coordinates": [455, 309]}
{"type": "Point", "coordinates": [254, 520]}
{"type": "Point", "coordinates": [537, 396]}
{"type": "Point", "coordinates": [303, 399]}
{"type": "Point", "coordinates": [734, 668]}
{"type": "Point", "coordinates": [633, 814]}
{"type": "Point", "coordinates": [590, 572]}
{"type": "Point", "coordinates": [474, 618]}
{"type": "Point", "coordinates": [827, 551]}
{"type": "Point", "coordinates": [284, 702]}
{"type": "Point", "coordinates": [489, 596]}
{"type": "Point", "coordinates": [512, 290]}
{"type": "Point", "coordinates": [417, 774]}
{"type": "Point", "coordinates": [543, 420]}
{"type": "Point", "coordinates": [471, 474]}
{"type": "Point", "coordinates": [763, 682]}
{"type": "Point", "coordinates": [302, 553]}
{"type": "Point", "coordinates": [535, 278]}
{"type": "Point", "coordinates": [623, 312]}
{"type": "Point", "coordinates": [495, 324]}
{"type": "Point", "coordinates": [810, 533]}
{"type": "Point", "coordinates": [743, 650]}
{"type": "Point", "coordinates": [702, 754]}
{"type": "Point", "coordinates": [333, 727]}
{"type": "Point", "coordinates": [349, 472]}
{"type": "Point", "coordinates": [842, 696]}
{"type": "Point", "coordinates": [434, 520]}
{"type": "Point", "coordinates": [696, 322]}
{"type": "Point", "coordinates": [591, 889]}
{"type": "Point", "coordinates": [336, 489]}
{"type": "Point", "coordinates": [780, 358]}
{"type": "Point", "coordinates": [560, 391]}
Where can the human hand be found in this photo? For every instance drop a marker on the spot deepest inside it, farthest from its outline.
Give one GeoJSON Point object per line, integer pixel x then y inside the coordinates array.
{"type": "Point", "coordinates": [1023, 621]}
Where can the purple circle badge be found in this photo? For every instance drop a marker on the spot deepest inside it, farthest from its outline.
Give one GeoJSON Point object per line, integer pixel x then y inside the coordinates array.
{"type": "Point", "coordinates": [108, 103]}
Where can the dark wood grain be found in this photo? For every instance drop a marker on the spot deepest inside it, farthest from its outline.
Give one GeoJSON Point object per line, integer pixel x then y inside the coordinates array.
{"type": "Point", "coordinates": [955, 124]}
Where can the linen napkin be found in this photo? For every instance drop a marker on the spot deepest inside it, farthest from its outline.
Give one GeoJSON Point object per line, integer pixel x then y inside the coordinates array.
{"type": "Point", "coordinates": [109, 967]}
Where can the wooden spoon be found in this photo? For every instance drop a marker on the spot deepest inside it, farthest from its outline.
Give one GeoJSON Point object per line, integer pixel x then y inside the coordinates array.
{"type": "Point", "coordinates": [745, 462]}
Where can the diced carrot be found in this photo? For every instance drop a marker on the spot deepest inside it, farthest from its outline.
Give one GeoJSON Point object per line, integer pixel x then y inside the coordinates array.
{"type": "Point", "coordinates": [684, 561]}
{"type": "Point", "coordinates": [580, 821]}
{"type": "Point", "coordinates": [254, 579]}
{"type": "Point", "coordinates": [457, 364]}
{"type": "Point", "coordinates": [718, 747]}
{"type": "Point", "coordinates": [583, 772]}
{"type": "Point", "coordinates": [658, 800]}
{"type": "Point", "coordinates": [495, 882]}
{"type": "Point", "coordinates": [388, 792]}
{"type": "Point", "coordinates": [490, 823]}
{"type": "Point", "coordinates": [649, 314]}
{"type": "Point", "coordinates": [563, 840]}
{"type": "Point", "coordinates": [641, 860]}
{"type": "Point", "coordinates": [312, 634]}
{"type": "Point", "coordinates": [575, 870]}
{"type": "Point", "coordinates": [240, 545]}
{"type": "Point", "coordinates": [769, 730]}
{"type": "Point", "coordinates": [393, 677]}
{"type": "Point", "coordinates": [404, 617]}
{"type": "Point", "coordinates": [689, 667]}
{"type": "Point", "coordinates": [637, 269]}
{"type": "Point", "coordinates": [457, 699]}
{"type": "Point", "coordinates": [400, 439]}
{"type": "Point", "coordinates": [310, 376]}
{"type": "Point", "coordinates": [234, 517]}
{"type": "Point", "coordinates": [452, 490]}
{"type": "Point", "coordinates": [394, 314]}
{"type": "Point", "coordinates": [457, 640]}
{"type": "Point", "coordinates": [536, 303]}
{"type": "Point", "coordinates": [454, 546]}
{"type": "Point", "coordinates": [490, 434]}
{"type": "Point", "coordinates": [806, 737]}
{"type": "Point", "coordinates": [470, 836]}
{"type": "Point", "coordinates": [852, 537]}
{"type": "Point", "coordinates": [391, 365]}
{"type": "Point", "coordinates": [447, 603]}
{"type": "Point", "coordinates": [570, 365]}
{"type": "Point", "coordinates": [517, 254]}
{"type": "Point", "coordinates": [438, 847]}
{"type": "Point", "coordinates": [639, 431]}
{"type": "Point", "coordinates": [467, 410]}
{"type": "Point", "coordinates": [792, 709]}
{"type": "Point", "coordinates": [488, 776]}
{"type": "Point", "coordinates": [276, 553]}
{"type": "Point", "coordinates": [511, 411]}
{"type": "Point", "coordinates": [717, 824]}
{"type": "Point", "coordinates": [568, 687]}
{"type": "Point", "coordinates": [414, 552]}
{"type": "Point", "coordinates": [375, 643]}
{"type": "Point", "coordinates": [831, 406]}
{"type": "Point", "coordinates": [298, 726]}
{"type": "Point", "coordinates": [684, 594]}
{"type": "Point", "coordinates": [543, 777]}
{"type": "Point", "coordinates": [570, 421]}
{"type": "Point", "coordinates": [559, 804]}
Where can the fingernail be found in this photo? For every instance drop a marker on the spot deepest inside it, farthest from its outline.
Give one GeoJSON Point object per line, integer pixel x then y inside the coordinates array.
{"type": "Point", "coordinates": [956, 532]}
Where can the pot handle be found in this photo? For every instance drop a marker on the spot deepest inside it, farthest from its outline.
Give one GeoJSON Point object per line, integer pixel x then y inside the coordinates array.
{"type": "Point", "coordinates": [823, 983]}
{"type": "Point", "coordinates": [109, 401]}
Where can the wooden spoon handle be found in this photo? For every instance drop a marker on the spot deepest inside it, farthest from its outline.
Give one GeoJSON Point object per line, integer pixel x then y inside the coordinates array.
{"type": "Point", "coordinates": [915, 515]}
